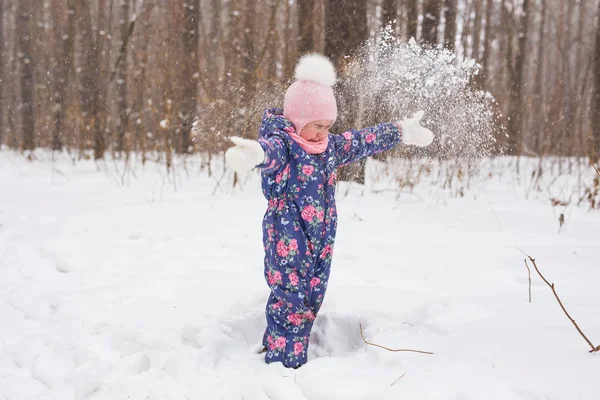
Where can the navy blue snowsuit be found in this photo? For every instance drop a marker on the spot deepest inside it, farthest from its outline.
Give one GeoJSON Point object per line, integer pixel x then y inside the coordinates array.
{"type": "Point", "coordinates": [300, 223]}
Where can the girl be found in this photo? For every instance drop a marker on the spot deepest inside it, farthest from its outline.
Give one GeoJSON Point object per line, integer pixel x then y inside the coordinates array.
{"type": "Point", "coordinates": [298, 161]}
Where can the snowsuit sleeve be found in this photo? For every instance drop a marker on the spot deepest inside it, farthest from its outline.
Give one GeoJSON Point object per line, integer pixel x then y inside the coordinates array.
{"type": "Point", "coordinates": [276, 154]}
{"type": "Point", "coordinates": [354, 145]}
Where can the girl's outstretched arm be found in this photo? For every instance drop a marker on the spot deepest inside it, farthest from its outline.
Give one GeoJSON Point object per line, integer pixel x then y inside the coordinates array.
{"type": "Point", "coordinates": [354, 145]}
{"type": "Point", "coordinates": [276, 154]}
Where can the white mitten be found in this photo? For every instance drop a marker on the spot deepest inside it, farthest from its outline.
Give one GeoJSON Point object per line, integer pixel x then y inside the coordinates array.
{"type": "Point", "coordinates": [245, 155]}
{"type": "Point", "coordinates": [414, 133]}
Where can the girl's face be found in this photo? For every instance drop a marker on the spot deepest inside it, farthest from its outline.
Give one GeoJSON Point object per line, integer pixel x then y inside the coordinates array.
{"type": "Point", "coordinates": [316, 130]}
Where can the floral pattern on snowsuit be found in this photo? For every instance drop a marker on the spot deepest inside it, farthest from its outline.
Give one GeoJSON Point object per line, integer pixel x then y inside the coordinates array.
{"type": "Point", "coordinates": [299, 226]}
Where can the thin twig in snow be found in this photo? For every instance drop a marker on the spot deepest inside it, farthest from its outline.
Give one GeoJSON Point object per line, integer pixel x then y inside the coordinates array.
{"type": "Point", "coordinates": [401, 376]}
{"type": "Point", "coordinates": [388, 349]}
{"type": "Point", "coordinates": [551, 285]}
{"type": "Point", "coordinates": [529, 276]}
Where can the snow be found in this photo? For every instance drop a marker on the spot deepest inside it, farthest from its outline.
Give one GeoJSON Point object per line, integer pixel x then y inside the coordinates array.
{"type": "Point", "coordinates": [126, 284]}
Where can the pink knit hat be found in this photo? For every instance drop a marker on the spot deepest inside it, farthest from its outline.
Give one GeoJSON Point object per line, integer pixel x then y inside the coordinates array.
{"type": "Point", "coordinates": [310, 97]}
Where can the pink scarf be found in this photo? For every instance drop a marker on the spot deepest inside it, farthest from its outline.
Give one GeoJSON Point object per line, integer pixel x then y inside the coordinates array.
{"type": "Point", "coordinates": [310, 147]}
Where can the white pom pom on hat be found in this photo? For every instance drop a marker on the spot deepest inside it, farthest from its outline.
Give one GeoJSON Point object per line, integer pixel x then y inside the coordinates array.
{"type": "Point", "coordinates": [310, 98]}
{"type": "Point", "coordinates": [316, 68]}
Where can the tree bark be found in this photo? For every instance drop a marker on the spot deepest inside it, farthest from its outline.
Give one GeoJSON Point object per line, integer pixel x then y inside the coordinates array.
{"type": "Point", "coordinates": [516, 92]}
{"type": "Point", "coordinates": [26, 70]}
{"type": "Point", "coordinates": [477, 30]}
{"type": "Point", "coordinates": [122, 82]}
{"type": "Point", "coordinates": [346, 30]}
{"type": "Point", "coordinates": [412, 18]}
{"type": "Point", "coordinates": [191, 42]}
{"type": "Point", "coordinates": [450, 28]}
{"type": "Point", "coordinates": [3, 60]}
{"type": "Point", "coordinates": [485, 62]}
{"type": "Point", "coordinates": [65, 35]}
{"type": "Point", "coordinates": [539, 114]}
{"type": "Point", "coordinates": [431, 19]}
{"type": "Point", "coordinates": [306, 25]}
{"type": "Point", "coordinates": [596, 94]}
{"type": "Point", "coordinates": [90, 71]}
{"type": "Point", "coordinates": [390, 15]}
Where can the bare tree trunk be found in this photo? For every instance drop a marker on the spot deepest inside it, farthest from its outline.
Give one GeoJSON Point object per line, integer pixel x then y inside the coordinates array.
{"type": "Point", "coordinates": [346, 30]}
{"type": "Point", "coordinates": [516, 92]}
{"type": "Point", "coordinates": [390, 14]}
{"type": "Point", "coordinates": [450, 28]}
{"type": "Point", "coordinates": [65, 35]}
{"type": "Point", "coordinates": [90, 70]}
{"type": "Point", "coordinates": [191, 42]}
{"type": "Point", "coordinates": [487, 44]}
{"type": "Point", "coordinates": [466, 29]}
{"type": "Point", "coordinates": [122, 81]}
{"type": "Point", "coordinates": [249, 54]}
{"type": "Point", "coordinates": [306, 41]}
{"type": "Point", "coordinates": [596, 94]}
{"type": "Point", "coordinates": [214, 44]}
{"type": "Point", "coordinates": [3, 60]}
{"type": "Point", "coordinates": [26, 71]}
{"type": "Point", "coordinates": [477, 30]}
{"type": "Point", "coordinates": [412, 18]}
{"type": "Point", "coordinates": [539, 114]}
{"type": "Point", "coordinates": [431, 19]}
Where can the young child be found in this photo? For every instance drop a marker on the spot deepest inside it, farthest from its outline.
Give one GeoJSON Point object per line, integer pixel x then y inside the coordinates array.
{"type": "Point", "coordinates": [298, 161]}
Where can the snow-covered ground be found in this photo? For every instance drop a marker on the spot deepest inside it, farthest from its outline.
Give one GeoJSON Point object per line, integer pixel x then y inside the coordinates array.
{"type": "Point", "coordinates": [122, 284]}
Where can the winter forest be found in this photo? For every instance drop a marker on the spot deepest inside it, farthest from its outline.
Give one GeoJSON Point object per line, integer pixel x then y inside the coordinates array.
{"type": "Point", "coordinates": [101, 75]}
{"type": "Point", "coordinates": [133, 261]}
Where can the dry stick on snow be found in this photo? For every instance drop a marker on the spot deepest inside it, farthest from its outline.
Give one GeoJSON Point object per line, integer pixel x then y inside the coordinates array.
{"type": "Point", "coordinates": [386, 348]}
{"type": "Point", "coordinates": [401, 376]}
{"type": "Point", "coordinates": [551, 285]}
{"type": "Point", "coordinates": [529, 276]}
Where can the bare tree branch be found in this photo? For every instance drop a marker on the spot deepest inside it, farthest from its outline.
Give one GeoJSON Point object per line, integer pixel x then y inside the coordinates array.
{"type": "Point", "coordinates": [551, 285]}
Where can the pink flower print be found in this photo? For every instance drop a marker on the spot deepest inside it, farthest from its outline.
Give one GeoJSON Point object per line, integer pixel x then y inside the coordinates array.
{"type": "Point", "coordinates": [347, 147]}
{"type": "Point", "coordinates": [298, 347]}
{"type": "Point", "coordinates": [370, 137]}
{"type": "Point", "coordinates": [347, 135]}
{"type": "Point", "coordinates": [277, 306]}
{"type": "Point", "coordinates": [293, 279]}
{"type": "Point", "coordinates": [331, 211]}
{"type": "Point", "coordinates": [277, 276]}
{"type": "Point", "coordinates": [270, 232]}
{"type": "Point", "coordinates": [295, 319]}
{"type": "Point", "coordinates": [314, 282]}
{"type": "Point", "coordinates": [309, 315]}
{"type": "Point", "coordinates": [271, 343]}
{"type": "Point", "coordinates": [309, 213]}
{"type": "Point", "coordinates": [272, 203]}
{"type": "Point", "coordinates": [281, 205]}
{"type": "Point", "coordinates": [331, 180]}
{"type": "Point", "coordinates": [308, 170]}
{"type": "Point", "coordinates": [320, 215]}
{"type": "Point", "coordinates": [293, 245]}
{"type": "Point", "coordinates": [326, 251]}
{"type": "Point", "coordinates": [280, 342]}
{"type": "Point", "coordinates": [282, 249]}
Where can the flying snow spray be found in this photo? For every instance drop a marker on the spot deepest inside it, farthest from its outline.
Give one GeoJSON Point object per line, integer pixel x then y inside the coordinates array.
{"type": "Point", "coordinates": [394, 79]}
